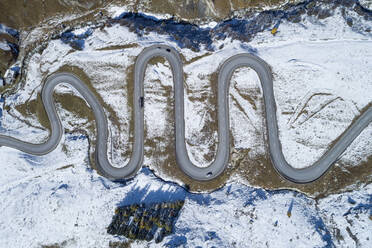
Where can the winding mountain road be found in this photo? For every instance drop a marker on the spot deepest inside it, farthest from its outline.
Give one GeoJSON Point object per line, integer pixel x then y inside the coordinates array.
{"type": "Point", "coordinates": [305, 175]}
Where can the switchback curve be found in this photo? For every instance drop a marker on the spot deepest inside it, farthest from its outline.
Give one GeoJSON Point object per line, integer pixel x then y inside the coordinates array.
{"type": "Point", "coordinates": [305, 175]}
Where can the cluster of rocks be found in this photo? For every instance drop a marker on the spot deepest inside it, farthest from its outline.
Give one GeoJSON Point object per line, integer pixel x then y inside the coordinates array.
{"type": "Point", "coordinates": [76, 41]}
{"type": "Point", "coordinates": [145, 221]}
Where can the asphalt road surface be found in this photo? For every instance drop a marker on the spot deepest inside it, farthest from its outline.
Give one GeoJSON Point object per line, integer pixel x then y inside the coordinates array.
{"type": "Point", "coordinates": [305, 175]}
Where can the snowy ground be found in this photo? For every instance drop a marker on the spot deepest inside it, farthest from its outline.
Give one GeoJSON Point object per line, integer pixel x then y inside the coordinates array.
{"type": "Point", "coordinates": [322, 81]}
{"type": "Point", "coordinates": [51, 204]}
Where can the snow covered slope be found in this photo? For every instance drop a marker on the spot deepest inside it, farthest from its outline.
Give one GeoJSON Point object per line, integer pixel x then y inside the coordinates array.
{"type": "Point", "coordinates": [322, 81]}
